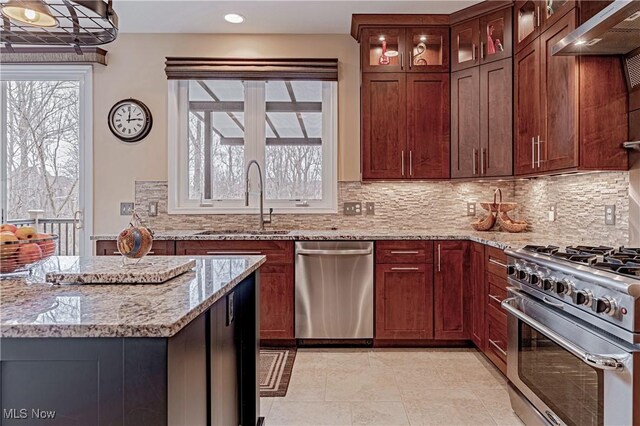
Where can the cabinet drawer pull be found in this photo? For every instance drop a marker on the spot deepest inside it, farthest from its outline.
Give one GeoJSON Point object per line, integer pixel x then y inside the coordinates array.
{"type": "Point", "coordinates": [402, 161]}
{"type": "Point", "coordinates": [405, 269]}
{"type": "Point", "coordinates": [495, 344]}
{"type": "Point", "coordinates": [235, 253]}
{"type": "Point", "coordinates": [497, 299]}
{"type": "Point", "coordinates": [406, 252]}
{"type": "Point", "coordinates": [410, 163]}
{"type": "Point", "coordinates": [497, 262]}
{"type": "Point", "coordinates": [439, 257]}
{"type": "Point", "coordinates": [533, 152]}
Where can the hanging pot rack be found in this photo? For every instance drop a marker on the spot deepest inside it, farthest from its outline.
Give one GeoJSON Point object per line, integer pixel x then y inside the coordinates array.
{"type": "Point", "coordinates": [80, 23]}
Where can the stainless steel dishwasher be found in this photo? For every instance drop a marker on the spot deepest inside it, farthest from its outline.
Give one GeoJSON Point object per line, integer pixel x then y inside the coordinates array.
{"type": "Point", "coordinates": [334, 290]}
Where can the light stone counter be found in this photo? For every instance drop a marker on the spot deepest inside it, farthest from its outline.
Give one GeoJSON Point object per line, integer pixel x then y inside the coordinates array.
{"type": "Point", "coordinates": [30, 308]}
{"type": "Point", "coordinates": [500, 240]}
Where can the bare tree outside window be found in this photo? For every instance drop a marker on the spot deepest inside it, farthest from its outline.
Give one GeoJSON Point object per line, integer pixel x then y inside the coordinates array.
{"type": "Point", "coordinates": [42, 147]}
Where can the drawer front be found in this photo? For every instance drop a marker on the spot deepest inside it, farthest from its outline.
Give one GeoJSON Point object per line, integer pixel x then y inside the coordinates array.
{"type": "Point", "coordinates": [496, 262]}
{"type": "Point", "coordinates": [277, 252]}
{"type": "Point", "coordinates": [159, 248]}
{"type": "Point", "coordinates": [496, 294]}
{"type": "Point", "coordinates": [497, 340]}
{"type": "Point", "coordinates": [404, 252]}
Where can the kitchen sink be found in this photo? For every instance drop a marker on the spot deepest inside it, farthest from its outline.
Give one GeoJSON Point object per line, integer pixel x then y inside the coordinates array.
{"type": "Point", "coordinates": [244, 232]}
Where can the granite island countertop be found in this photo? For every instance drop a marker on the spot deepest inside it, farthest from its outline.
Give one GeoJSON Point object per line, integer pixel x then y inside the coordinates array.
{"type": "Point", "coordinates": [29, 307]}
{"type": "Point", "coordinates": [501, 240]}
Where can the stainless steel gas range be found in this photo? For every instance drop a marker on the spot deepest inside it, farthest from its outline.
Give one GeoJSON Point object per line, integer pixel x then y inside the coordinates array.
{"type": "Point", "coordinates": [573, 352]}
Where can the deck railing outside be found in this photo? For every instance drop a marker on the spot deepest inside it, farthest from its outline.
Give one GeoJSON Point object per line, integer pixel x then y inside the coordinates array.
{"type": "Point", "coordinates": [68, 240]}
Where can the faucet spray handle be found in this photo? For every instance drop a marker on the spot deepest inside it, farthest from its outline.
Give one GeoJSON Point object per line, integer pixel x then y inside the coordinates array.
{"type": "Point", "coordinates": [270, 212]}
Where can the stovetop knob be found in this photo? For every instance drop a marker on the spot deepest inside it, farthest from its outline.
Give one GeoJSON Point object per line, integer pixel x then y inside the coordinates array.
{"type": "Point", "coordinates": [606, 305]}
{"type": "Point", "coordinates": [522, 274]}
{"type": "Point", "coordinates": [548, 284]}
{"type": "Point", "coordinates": [534, 279]}
{"type": "Point", "coordinates": [511, 270]}
{"type": "Point", "coordinates": [584, 297]}
{"type": "Point", "coordinates": [565, 287]}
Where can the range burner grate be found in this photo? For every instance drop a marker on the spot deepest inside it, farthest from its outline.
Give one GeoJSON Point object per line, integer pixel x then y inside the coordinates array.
{"type": "Point", "coordinates": [542, 249]}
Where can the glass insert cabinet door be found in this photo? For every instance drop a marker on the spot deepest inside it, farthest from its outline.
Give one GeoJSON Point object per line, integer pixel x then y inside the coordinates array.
{"type": "Point", "coordinates": [428, 49]}
{"type": "Point", "coordinates": [465, 45]}
{"type": "Point", "coordinates": [495, 36]}
{"type": "Point", "coordinates": [527, 19]}
{"type": "Point", "coordinates": [383, 50]}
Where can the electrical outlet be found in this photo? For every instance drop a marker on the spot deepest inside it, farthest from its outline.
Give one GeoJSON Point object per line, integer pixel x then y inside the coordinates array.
{"type": "Point", "coordinates": [610, 214]}
{"type": "Point", "coordinates": [471, 209]}
{"type": "Point", "coordinates": [370, 208]}
{"type": "Point", "coordinates": [126, 209]}
{"type": "Point", "coordinates": [352, 209]}
{"type": "Point", "coordinates": [553, 211]}
{"type": "Point", "coordinates": [153, 208]}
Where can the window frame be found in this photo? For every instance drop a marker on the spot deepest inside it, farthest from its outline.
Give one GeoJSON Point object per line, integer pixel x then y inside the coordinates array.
{"type": "Point", "coordinates": [83, 74]}
{"type": "Point", "coordinates": [255, 147]}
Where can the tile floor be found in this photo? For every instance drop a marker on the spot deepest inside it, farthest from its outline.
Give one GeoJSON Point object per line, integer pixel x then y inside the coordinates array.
{"type": "Point", "coordinates": [391, 387]}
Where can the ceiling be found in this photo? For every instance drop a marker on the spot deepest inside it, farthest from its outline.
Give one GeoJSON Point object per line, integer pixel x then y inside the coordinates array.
{"type": "Point", "coordinates": [263, 17]}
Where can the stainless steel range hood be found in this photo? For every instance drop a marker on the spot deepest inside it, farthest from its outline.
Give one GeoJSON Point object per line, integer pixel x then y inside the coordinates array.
{"type": "Point", "coordinates": [615, 30]}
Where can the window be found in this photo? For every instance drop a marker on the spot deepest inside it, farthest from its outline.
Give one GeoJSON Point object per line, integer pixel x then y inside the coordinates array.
{"type": "Point", "coordinates": [288, 127]}
{"type": "Point", "coordinates": [46, 151]}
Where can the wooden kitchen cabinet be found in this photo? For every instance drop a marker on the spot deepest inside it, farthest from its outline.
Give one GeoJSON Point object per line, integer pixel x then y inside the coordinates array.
{"type": "Point", "coordinates": [404, 301]}
{"type": "Point", "coordinates": [450, 282]}
{"type": "Point", "coordinates": [428, 126]}
{"type": "Point", "coordinates": [159, 248]}
{"type": "Point", "coordinates": [384, 129]}
{"type": "Point", "coordinates": [568, 117]}
{"type": "Point", "coordinates": [481, 122]}
{"type": "Point", "coordinates": [465, 41]}
{"type": "Point", "coordinates": [495, 318]}
{"type": "Point", "coordinates": [475, 301]}
{"type": "Point", "coordinates": [427, 49]}
{"type": "Point", "coordinates": [276, 279]}
{"type": "Point", "coordinates": [383, 50]}
{"type": "Point", "coordinates": [526, 17]}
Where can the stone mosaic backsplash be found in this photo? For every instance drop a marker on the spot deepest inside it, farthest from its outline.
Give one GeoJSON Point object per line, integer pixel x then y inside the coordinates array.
{"type": "Point", "coordinates": [580, 201]}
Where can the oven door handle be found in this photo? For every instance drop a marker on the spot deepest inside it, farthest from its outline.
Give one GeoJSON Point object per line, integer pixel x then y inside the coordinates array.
{"type": "Point", "coordinates": [601, 362]}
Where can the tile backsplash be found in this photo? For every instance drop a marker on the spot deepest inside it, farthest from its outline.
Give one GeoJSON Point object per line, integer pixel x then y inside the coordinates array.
{"type": "Point", "coordinates": [580, 201]}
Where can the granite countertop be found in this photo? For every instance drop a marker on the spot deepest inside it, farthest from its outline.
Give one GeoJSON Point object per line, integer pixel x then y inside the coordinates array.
{"type": "Point", "coordinates": [500, 240]}
{"type": "Point", "coordinates": [31, 308]}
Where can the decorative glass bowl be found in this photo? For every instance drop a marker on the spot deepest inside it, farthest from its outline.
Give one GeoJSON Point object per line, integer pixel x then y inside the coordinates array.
{"type": "Point", "coordinates": [20, 255]}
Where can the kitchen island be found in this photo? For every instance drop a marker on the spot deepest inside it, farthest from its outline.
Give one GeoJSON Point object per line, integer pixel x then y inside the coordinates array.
{"type": "Point", "coordinates": [182, 352]}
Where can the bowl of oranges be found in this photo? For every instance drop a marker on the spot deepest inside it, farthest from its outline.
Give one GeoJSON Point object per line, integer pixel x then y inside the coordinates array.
{"type": "Point", "coordinates": [21, 248]}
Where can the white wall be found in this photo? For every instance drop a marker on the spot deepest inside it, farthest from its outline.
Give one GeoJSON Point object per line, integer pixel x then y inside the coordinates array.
{"type": "Point", "coordinates": [136, 69]}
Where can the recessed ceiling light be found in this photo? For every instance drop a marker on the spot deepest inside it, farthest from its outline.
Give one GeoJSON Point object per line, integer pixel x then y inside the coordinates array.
{"type": "Point", "coordinates": [381, 38]}
{"type": "Point", "coordinates": [423, 38]}
{"type": "Point", "coordinates": [234, 18]}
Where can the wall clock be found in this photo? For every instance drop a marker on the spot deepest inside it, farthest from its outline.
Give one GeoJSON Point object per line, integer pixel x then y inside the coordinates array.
{"type": "Point", "coordinates": [130, 120]}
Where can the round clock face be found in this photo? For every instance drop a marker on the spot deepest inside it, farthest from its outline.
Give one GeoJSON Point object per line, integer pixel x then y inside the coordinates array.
{"type": "Point", "coordinates": [130, 120]}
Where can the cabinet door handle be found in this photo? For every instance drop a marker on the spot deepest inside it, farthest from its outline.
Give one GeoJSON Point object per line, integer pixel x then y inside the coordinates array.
{"type": "Point", "coordinates": [405, 269]}
{"type": "Point", "coordinates": [410, 57]}
{"type": "Point", "coordinates": [401, 60]}
{"type": "Point", "coordinates": [539, 151]}
{"type": "Point", "coordinates": [406, 252]}
{"type": "Point", "coordinates": [481, 50]}
{"type": "Point", "coordinates": [473, 52]}
{"type": "Point", "coordinates": [482, 161]}
{"type": "Point", "coordinates": [402, 161]}
{"type": "Point", "coordinates": [494, 344]}
{"type": "Point", "coordinates": [235, 253]}
{"type": "Point", "coordinates": [475, 157]}
{"type": "Point", "coordinates": [533, 152]}
{"type": "Point", "coordinates": [538, 17]}
{"type": "Point", "coordinates": [497, 299]}
{"type": "Point", "coordinates": [410, 163]}
{"type": "Point", "coordinates": [496, 262]}
{"type": "Point", "coordinates": [438, 257]}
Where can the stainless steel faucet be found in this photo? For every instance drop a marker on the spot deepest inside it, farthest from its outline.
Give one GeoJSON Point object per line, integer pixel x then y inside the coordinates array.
{"type": "Point", "coordinates": [246, 194]}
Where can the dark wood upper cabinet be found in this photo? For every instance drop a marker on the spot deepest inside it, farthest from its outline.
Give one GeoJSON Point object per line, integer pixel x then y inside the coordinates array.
{"type": "Point", "coordinates": [383, 50]}
{"type": "Point", "coordinates": [527, 108]}
{"type": "Point", "coordinates": [558, 141]}
{"type": "Point", "coordinates": [428, 126]}
{"type": "Point", "coordinates": [465, 123]}
{"type": "Point", "coordinates": [568, 115]}
{"type": "Point", "coordinates": [384, 126]}
{"type": "Point", "coordinates": [552, 11]}
{"type": "Point", "coordinates": [526, 18]}
{"type": "Point", "coordinates": [465, 41]}
{"type": "Point", "coordinates": [496, 119]}
{"type": "Point", "coordinates": [449, 284]}
{"type": "Point", "coordinates": [404, 301]}
{"type": "Point", "coordinates": [427, 49]}
{"type": "Point", "coordinates": [496, 38]}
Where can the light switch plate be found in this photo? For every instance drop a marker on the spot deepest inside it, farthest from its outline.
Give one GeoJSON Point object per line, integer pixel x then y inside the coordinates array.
{"type": "Point", "coordinates": [610, 214]}
{"type": "Point", "coordinates": [126, 209]}
{"type": "Point", "coordinates": [553, 211]}
{"type": "Point", "coordinates": [471, 209]}
{"type": "Point", "coordinates": [153, 208]}
{"type": "Point", "coordinates": [370, 208]}
{"type": "Point", "coordinates": [352, 209]}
